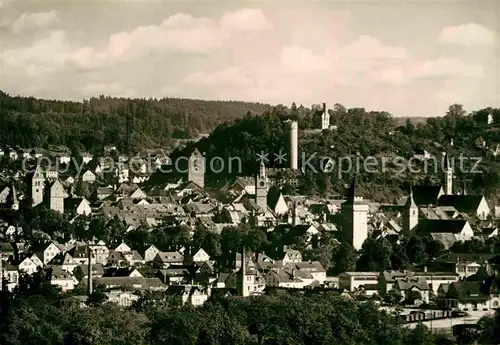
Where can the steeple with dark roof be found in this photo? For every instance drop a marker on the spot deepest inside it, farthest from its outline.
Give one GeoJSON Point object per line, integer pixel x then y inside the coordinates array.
{"type": "Point", "coordinates": [410, 214]}
{"type": "Point", "coordinates": [353, 193]}
{"type": "Point", "coordinates": [410, 202]}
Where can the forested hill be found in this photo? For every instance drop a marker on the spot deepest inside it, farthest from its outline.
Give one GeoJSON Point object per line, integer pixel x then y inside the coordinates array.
{"type": "Point", "coordinates": [93, 123]}
{"type": "Point", "coordinates": [362, 133]}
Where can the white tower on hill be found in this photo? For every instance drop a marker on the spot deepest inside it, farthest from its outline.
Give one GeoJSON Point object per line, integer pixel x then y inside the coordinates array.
{"type": "Point", "coordinates": [325, 118]}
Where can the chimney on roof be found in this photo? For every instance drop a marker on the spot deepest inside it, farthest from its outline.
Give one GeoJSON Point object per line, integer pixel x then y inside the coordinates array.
{"type": "Point", "coordinates": [425, 269]}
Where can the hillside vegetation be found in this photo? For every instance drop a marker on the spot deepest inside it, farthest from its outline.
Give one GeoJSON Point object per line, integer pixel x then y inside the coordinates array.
{"type": "Point", "coordinates": [129, 124]}
{"type": "Point", "coordinates": [241, 129]}
{"type": "Point", "coordinates": [361, 134]}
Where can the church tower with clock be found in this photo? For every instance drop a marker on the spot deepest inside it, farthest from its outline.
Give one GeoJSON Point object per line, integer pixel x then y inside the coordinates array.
{"type": "Point", "coordinates": [261, 187]}
{"type": "Point", "coordinates": [196, 168]}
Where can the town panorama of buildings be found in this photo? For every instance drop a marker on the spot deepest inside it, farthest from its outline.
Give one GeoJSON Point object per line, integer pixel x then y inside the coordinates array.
{"type": "Point", "coordinates": [439, 212]}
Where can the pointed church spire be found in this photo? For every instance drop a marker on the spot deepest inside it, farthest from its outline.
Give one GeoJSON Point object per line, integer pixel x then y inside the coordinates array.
{"type": "Point", "coordinates": [352, 192]}
{"type": "Point", "coordinates": [262, 170]}
{"type": "Point", "coordinates": [448, 176]}
{"type": "Point", "coordinates": [447, 165]}
{"type": "Point", "coordinates": [410, 202]}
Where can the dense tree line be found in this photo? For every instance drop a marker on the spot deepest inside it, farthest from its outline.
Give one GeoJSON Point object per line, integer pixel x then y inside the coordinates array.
{"type": "Point", "coordinates": [129, 124]}
{"type": "Point", "coordinates": [39, 314]}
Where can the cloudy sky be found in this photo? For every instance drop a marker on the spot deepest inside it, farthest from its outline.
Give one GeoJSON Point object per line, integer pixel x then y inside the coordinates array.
{"type": "Point", "coordinates": [411, 59]}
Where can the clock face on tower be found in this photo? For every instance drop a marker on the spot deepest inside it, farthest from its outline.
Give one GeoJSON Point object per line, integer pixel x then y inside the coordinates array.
{"type": "Point", "coordinates": [262, 183]}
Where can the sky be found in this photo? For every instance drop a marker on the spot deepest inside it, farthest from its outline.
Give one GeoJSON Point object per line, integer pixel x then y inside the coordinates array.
{"type": "Point", "coordinates": [407, 58]}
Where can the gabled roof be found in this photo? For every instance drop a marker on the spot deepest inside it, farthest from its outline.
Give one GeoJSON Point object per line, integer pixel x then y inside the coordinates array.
{"type": "Point", "coordinates": [466, 291]}
{"type": "Point", "coordinates": [441, 226]}
{"type": "Point", "coordinates": [463, 257]}
{"type": "Point", "coordinates": [273, 196]}
{"type": "Point", "coordinates": [119, 272]}
{"type": "Point", "coordinates": [409, 283]}
{"type": "Point", "coordinates": [426, 195]}
{"type": "Point", "coordinates": [463, 203]}
{"type": "Point", "coordinates": [410, 201]}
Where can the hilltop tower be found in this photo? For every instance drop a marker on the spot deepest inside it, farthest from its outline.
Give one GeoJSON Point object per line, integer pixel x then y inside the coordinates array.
{"type": "Point", "coordinates": [448, 176]}
{"type": "Point", "coordinates": [37, 186]}
{"type": "Point", "coordinates": [354, 217]}
{"type": "Point", "coordinates": [294, 145]}
{"type": "Point", "coordinates": [325, 118]}
{"type": "Point", "coordinates": [261, 188]}
{"type": "Point", "coordinates": [410, 214]}
{"type": "Point", "coordinates": [196, 168]}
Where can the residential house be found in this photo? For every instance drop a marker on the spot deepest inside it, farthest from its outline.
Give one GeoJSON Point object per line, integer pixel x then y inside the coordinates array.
{"type": "Point", "coordinates": [408, 285]}
{"type": "Point", "coordinates": [28, 266]}
{"type": "Point", "coordinates": [100, 253]}
{"type": "Point", "coordinates": [86, 158]}
{"type": "Point", "coordinates": [150, 253]}
{"type": "Point", "coordinates": [122, 298]}
{"type": "Point", "coordinates": [435, 279]}
{"type": "Point", "coordinates": [10, 274]}
{"type": "Point", "coordinates": [287, 279]}
{"type": "Point", "coordinates": [80, 254]}
{"type": "Point", "coordinates": [254, 281]}
{"type": "Point", "coordinates": [466, 295]}
{"type": "Point", "coordinates": [51, 251]}
{"type": "Point", "coordinates": [79, 206]}
{"type": "Point", "coordinates": [88, 176]}
{"type": "Point", "coordinates": [97, 270]}
{"type": "Point", "coordinates": [6, 251]}
{"type": "Point", "coordinates": [66, 261]}
{"type": "Point", "coordinates": [314, 268]}
{"type": "Point", "coordinates": [291, 256]}
{"type": "Point", "coordinates": [165, 259]}
{"type": "Point", "coordinates": [122, 247]}
{"type": "Point", "coordinates": [191, 295]}
{"type": "Point", "coordinates": [61, 278]}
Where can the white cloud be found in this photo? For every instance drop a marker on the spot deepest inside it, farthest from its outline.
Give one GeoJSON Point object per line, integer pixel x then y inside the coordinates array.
{"type": "Point", "coordinates": [233, 75]}
{"type": "Point", "coordinates": [246, 19]}
{"type": "Point", "coordinates": [448, 67]}
{"type": "Point", "coordinates": [394, 76]}
{"type": "Point", "coordinates": [300, 60]}
{"type": "Point", "coordinates": [370, 48]}
{"type": "Point", "coordinates": [177, 33]}
{"type": "Point", "coordinates": [47, 54]}
{"type": "Point", "coordinates": [468, 35]}
{"type": "Point", "coordinates": [34, 21]}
